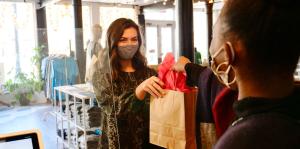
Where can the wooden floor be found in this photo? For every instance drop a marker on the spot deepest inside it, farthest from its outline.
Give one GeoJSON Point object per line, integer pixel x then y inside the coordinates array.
{"type": "Point", "coordinates": [30, 117]}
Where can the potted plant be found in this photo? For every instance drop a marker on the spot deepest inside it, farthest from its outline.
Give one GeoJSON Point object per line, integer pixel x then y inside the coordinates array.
{"type": "Point", "coordinates": [23, 87]}
{"type": "Point", "coordinates": [36, 60]}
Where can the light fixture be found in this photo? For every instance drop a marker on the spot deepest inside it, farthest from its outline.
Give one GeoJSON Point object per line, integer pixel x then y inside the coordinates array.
{"type": "Point", "coordinates": [155, 1]}
{"type": "Point", "coordinates": [164, 3]}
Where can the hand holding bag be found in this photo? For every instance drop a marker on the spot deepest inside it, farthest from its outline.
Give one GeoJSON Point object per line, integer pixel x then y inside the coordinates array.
{"type": "Point", "coordinates": [172, 117]}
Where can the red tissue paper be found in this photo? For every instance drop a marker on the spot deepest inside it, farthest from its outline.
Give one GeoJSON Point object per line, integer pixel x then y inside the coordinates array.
{"type": "Point", "coordinates": [173, 80]}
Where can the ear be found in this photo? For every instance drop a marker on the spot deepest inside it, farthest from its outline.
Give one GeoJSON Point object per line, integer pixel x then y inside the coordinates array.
{"type": "Point", "coordinates": [230, 52]}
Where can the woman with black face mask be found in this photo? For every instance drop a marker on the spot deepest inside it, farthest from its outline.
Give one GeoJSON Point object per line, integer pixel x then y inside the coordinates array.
{"type": "Point", "coordinates": [121, 85]}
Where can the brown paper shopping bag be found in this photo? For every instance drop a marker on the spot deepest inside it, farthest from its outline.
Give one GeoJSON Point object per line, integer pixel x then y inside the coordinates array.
{"type": "Point", "coordinates": [172, 120]}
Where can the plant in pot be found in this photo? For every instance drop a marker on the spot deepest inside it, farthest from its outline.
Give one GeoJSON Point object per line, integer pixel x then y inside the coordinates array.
{"type": "Point", "coordinates": [36, 60]}
{"type": "Point", "coordinates": [23, 87]}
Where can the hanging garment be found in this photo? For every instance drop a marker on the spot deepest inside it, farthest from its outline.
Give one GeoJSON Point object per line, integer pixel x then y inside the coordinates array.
{"type": "Point", "coordinates": [58, 70]}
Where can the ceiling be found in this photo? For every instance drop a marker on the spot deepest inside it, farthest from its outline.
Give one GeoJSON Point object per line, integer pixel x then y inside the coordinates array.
{"type": "Point", "coordinates": [126, 2]}
{"type": "Point", "coordinates": [130, 2]}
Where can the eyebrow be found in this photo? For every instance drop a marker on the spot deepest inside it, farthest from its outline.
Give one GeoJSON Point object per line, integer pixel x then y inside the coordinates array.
{"type": "Point", "coordinates": [131, 38]}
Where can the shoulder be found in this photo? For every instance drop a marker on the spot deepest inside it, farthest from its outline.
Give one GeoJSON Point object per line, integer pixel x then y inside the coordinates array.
{"type": "Point", "coordinates": [262, 131]}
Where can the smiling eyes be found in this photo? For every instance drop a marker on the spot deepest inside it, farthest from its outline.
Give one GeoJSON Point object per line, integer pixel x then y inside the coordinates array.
{"type": "Point", "coordinates": [124, 40]}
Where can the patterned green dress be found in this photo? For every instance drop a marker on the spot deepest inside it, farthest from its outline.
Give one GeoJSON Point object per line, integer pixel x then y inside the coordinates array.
{"type": "Point", "coordinates": [124, 118]}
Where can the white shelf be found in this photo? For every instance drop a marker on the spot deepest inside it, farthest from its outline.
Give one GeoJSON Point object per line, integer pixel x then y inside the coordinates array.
{"type": "Point", "coordinates": [71, 121]}
{"type": "Point", "coordinates": [79, 127]}
{"type": "Point", "coordinates": [81, 93]}
{"type": "Point", "coordinates": [65, 143]}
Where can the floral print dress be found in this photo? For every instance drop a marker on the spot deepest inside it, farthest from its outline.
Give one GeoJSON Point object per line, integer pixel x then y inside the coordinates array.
{"type": "Point", "coordinates": [124, 118]}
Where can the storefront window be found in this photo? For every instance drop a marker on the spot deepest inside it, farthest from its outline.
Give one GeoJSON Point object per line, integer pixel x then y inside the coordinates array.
{"type": "Point", "coordinates": [160, 33]}
{"type": "Point", "coordinates": [60, 29]}
{"type": "Point", "coordinates": [17, 38]}
{"type": "Point", "coordinates": [200, 30]}
{"type": "Point", "coordinates": [114, 13]}
{"type": "Point", "coordinates": [86, 21]}
{"type": "Point", "coordinates": [163, 14]}
{"type": "Point", "coordinates": [60, 23]}
{"type": "Point", "coordinates": [200, 26]}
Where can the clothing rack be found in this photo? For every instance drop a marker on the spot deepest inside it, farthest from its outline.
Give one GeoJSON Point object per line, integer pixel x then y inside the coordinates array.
{"type": "Point", "coordinates": [58, 70]}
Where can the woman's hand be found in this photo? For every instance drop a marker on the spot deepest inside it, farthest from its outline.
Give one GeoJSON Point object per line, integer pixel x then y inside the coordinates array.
{"type": "Point", "coordinates": [153, 86]}
{"type": "Point", "coordinates": [180, 65]}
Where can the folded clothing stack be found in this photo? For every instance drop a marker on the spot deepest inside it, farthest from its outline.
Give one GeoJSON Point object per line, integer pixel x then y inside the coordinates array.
{"type": "Point", "coordinates": [73, 109]}
{"type": "Point", "coordinates": [64, 133]}
{"type": "Point", "coordinates": [91, 117]}
{"type": "Point", "coordinates": [92, 141]}
{"type": "Point", "coordinates": [73, 136]}
{"type": "Point", "coordinates": [76, 112]}
{"type": "Point", "coordinates": [92, 138]}
{"type": "Point", "coordinates": [87, 117]}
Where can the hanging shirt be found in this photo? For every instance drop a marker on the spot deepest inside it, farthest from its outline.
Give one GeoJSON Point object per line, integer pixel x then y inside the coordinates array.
{"type": "Point", "coordinates": [64, 71]}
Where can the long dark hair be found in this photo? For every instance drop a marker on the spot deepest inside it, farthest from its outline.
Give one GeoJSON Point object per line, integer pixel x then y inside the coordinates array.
{"type": "Point", "coordinates": [113, 35]}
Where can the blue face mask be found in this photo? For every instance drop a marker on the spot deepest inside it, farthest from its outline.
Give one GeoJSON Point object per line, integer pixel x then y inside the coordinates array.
{"type": "Point", "coordinates": [127, 52]}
